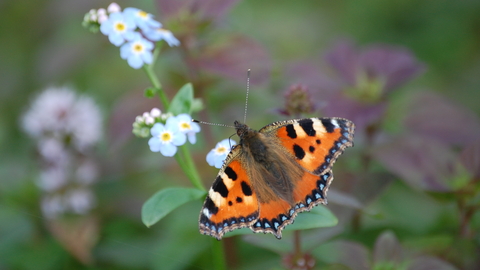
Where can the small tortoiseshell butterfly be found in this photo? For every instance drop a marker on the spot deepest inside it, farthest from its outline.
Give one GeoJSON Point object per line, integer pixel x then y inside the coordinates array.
{"type": "Point", "coordinates": [273, 174]}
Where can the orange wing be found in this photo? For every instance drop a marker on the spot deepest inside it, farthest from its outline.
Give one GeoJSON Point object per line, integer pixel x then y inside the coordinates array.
{"type": "Point", "coordinates": [275, 215]}
{"type": "Point", "coordinates": [315, 143]}
{"type": "Point", "coordinates": [231, 202]}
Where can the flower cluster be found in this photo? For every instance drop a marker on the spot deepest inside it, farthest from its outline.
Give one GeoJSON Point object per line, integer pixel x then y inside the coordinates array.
{"type": "Point", "coordinates": [143, 123]}
{"type": "Point", "coordinates": [167, 131]}
{"type": "Point", "coordinates": [297, 101]}
{"type": "Point", "coordinates": [133, 30]}
{"type": "Point", "coordinates": [65, 126]}
{"type": "Point", "coordinates": [170, 131]}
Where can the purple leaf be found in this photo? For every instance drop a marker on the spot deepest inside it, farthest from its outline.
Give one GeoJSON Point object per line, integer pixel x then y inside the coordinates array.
{"type": "Point", "coordinates": [343, 58]}
{"type": "Point", "coordinates": [362, 114]}
{"type": "Point", "coordinates": [470, 158]}
{"type": "Point", "coordinates": [387, 249]}
{"type": "Point", "coordinates": [310, 74]}
{"type": "Point", "coordinates": [234, 56]}
{"type": "Point", "coordinates": [202, 9]}
{"type": "Point", "coordinates": [392, 65]}
{"type": "Point", "coordinates": [421, 163]}
{"type": "Point", "coordinates": [396, 65]}
{"type": "Point", "coordinates": [434, 116]}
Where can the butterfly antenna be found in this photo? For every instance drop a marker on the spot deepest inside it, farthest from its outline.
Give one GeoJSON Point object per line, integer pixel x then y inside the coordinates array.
{"type": "Point", "coordinates": [230, 140]}
{"type": "Point", "coordinates": [246, 99]}
{"type": "Point", "coordinates": [211, 124]}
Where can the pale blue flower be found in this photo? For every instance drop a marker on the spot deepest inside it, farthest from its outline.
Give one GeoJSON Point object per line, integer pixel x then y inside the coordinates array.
{"type": "Point", "coordinates": [137, 52]}
{"type": "Point", "coordinates": [118, 28]}
{"type": "Point", "coordinates": [141, 18]}
{"type": "Point", "coordinates": [188, 127]}
{"type": "Point", "coordinates": [158, 34]}
{"type": "Point", "coordinates": [166, 138]}
{"type": "Point", "coordinates": [217, 155]}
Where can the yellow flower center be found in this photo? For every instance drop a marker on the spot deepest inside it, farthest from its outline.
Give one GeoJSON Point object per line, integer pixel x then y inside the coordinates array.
{"type": "Point", "coordinates": [221, 150]}
{"type": "Point", "coordinates": [185, 125]}
{"type": "Point", "coordinates": [120, 26]}
{"type": "Point", "coordinates": [143, 14]}
{"type": "Point", "coordinates": [166, 137]}
{"type": "Point", "coordinates": [138, 48]}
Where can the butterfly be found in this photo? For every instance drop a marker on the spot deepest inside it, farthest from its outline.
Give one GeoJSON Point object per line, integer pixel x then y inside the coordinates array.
{"type": "Point", "coordinates": [273, 174]}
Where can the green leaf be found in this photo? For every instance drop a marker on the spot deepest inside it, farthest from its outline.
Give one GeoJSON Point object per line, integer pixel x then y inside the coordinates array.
{"type": "Point", "coordinates": [167, 200]}
{"type": "Point", "coordinates": [150, 92]}
{"type": "Point", "coordinates": [182, 101]}
{"type": "Point", "coordinates": [318, 217]}
{"type": "Point", "coordinates": [197, 105]}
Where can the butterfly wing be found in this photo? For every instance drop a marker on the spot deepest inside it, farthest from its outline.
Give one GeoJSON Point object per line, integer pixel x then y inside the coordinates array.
{"type": "Point", "coordinates": [315, 144]}
{"type": "Point", "coordinates": [231, 202]}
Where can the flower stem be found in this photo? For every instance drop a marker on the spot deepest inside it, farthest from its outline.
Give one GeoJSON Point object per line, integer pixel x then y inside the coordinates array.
{"type": "Point", "coordinates": [183, 158]}
{"type": "Point", "coordinates": [192, 172]}
{"type": "Point", "coordinates": [218, 254]}
{"type": "Point", "coordinates": [157, 85]}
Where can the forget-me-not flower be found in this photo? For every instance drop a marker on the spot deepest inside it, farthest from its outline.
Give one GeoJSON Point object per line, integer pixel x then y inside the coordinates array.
{"type": "Point", "coordinates": [119, 28]}
{"type": "Point", "coordinates": [188, 127]}
{"type": "Point", "coordinates": [158, 34]}
{"type": "Point", "coordinates": [217, 155]}
{"type": "Point", "coordinates": [141, 18]}
{"type": "Point", "coordinates": [137, 52]}
{"type": "Point", "coordinates": [166, 138]}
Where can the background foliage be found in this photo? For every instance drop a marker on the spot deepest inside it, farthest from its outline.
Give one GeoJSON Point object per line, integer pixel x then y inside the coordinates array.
{"type": "Point", "coordinates": [406, 196]}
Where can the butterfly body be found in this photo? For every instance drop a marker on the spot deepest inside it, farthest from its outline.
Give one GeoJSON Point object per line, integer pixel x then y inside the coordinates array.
{"type": "Point", "coordinates": [273, 174]}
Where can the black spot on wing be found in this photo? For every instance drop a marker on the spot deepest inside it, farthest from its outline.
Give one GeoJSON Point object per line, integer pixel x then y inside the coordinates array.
{"type": "Point", "coordinates": [210, 205]}
{"type": "Point", "coordinates": [327, 123]}
{"type": "Point", "coordinates": [231, 173]}
{"type": "Point", "coordinates": [220, 187]}
{"type": "Point", "coordinates": [239, 200]}
{"type": "Point", "coordinates": [299, 152]}
{"type": "Point", "coordinates": [291, 131]}
{"type": "Point", "coordinates": [246, 189]}
{"type": "Point", "coordinates": [311, 149]}
{"type": "Point", "coordinates": [307, 125]}
{"type": "Point", "coordinates": [318, 141]}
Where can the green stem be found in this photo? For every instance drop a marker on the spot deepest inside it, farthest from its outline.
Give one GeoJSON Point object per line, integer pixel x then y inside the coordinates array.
{"type": "Point", "coordinates": [192, 172]}
{"type": "Point", "coordinates": [157, 85]}
{"type": "Point", "coordinates": [183, 158]}
{"type": "Point", "coordinates": [218, 254]}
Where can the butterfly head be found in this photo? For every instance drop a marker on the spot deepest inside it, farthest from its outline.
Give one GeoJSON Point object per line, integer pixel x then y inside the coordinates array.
{"type": "Point", "coordinates": [244, 131]}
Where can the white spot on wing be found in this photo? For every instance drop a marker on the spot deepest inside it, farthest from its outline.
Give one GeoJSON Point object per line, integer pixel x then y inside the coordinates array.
{"type": "Point", "coordinates": [216, 197]}
{"type": "Point", "coordinates": [227, 181]}
{"type": "Point", "coordinates": [248, 200]}
{"type": "Point", "coordinates": [318, 126]}
{"type": "Point", "coordinates": [207, 213]}
{"type": "Point", "coordinates": [299, 130]}
{"type": "Point", "coordinates": [335, 123]}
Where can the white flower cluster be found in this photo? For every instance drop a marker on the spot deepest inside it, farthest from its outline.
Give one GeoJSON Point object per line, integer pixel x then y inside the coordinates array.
{"type": "Point", "coordinates": [65, 126]}
{"type": "Point", "coordinates": [133, 30]}
{"type": "Point", "coordinates": [143, 123]}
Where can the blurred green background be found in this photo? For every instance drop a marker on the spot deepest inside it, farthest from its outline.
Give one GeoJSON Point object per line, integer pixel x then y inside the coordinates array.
{"type": "Point", "coordinates": [43, 44]}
